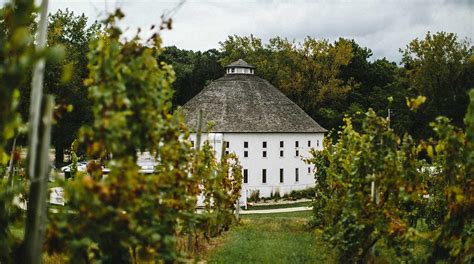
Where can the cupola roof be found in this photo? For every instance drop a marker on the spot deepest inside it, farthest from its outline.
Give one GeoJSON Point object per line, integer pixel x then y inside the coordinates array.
{"type": "Point", "coordinates": [240, 63]}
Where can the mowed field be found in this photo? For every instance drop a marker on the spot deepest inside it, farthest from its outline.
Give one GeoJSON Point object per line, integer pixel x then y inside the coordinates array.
{"type": "Point", "coordinates": [271, 238]}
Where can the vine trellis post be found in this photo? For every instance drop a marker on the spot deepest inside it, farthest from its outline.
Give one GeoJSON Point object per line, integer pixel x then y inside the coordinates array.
{"type": "Point", "coordinates": [198, 148]}
{"type": "Point", "coordinates": [39, 137]}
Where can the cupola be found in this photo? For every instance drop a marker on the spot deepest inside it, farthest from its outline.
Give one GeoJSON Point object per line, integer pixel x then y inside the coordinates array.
{"type": "Point", "coordinates": [239, 67]}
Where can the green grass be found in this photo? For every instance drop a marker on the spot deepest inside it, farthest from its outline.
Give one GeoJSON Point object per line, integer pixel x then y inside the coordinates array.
{"type": "Point", "coordinates": [277, 206]}
{"type": "Point", "coordinates": [272, 238]}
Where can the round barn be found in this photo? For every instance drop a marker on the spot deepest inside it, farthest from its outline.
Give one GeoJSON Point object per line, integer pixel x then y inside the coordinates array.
{"type": "Point", "coordinates": [270, 134]}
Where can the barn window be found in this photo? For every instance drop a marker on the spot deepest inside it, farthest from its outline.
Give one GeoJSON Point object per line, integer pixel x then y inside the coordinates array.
{"type": "Point", "coordinates": [281, 153]}
{"type": "Point", "coordinates": [297, 176]}
{"type": "Point", "coordinates": [281, 175]}
{"type": "Point", "coordinates": [227, 152]}
{"type": "Point", "coordinates": [281, 144]}
{"type": "Point", "coordinates": [264, 154]}
{"type": "Point", "coordinates": [246, 144]}
{"type": "Point", "coordinates": [309, 169]}
{"type": "Point", "coordinates": [309, 143]}
{"type": "Point", "coordinates": [246, 176]}
{"type": "Point", "coordinates": [297, 153]}
{"type": "Point", "coordinates": [246, 154]}
{"type": "Point", "coordinates": [317, 142]}
{"type": "Point", "coordinates": [227, 144]}
{"type": "Point", "coordinates": [296, 144]}
{"type": "Point", "coordinates": [264, 144]}
{"type": "Point", "coordinates": [264, 176]}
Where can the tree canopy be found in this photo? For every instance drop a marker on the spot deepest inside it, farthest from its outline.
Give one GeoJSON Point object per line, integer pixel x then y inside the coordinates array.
{"type": "Point", "coordinates": [65, 79]}
{"type": "Point", "coordinates": [441, 68]}
{"type": "Point", "coordinates": [329, 80]}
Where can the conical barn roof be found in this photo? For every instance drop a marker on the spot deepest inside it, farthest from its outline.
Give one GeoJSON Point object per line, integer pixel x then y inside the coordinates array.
{"type": "Point", "coordinates": [245, 103]}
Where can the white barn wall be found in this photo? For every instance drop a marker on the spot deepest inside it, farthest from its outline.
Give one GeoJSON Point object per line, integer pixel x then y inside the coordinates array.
{"type": "Point", "coordinates": [255, 162]}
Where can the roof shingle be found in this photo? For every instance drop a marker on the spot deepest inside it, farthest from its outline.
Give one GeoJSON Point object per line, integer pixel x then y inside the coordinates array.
{"type": "Point", "coordinates": [247, 104]}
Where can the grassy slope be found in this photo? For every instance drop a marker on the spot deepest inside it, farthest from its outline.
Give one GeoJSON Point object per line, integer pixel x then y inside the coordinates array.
{"type": "Point", "coordinates": [272, 238]}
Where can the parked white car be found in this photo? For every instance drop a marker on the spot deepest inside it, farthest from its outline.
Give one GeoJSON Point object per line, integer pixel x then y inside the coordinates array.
{"type": "Point", "coordinates": [81, 166]}
{"type": "Point", "coordinates": [146, 166]}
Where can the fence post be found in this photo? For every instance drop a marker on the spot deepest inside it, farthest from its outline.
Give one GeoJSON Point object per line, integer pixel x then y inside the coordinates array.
{"type": "Point", "coordinates": [199, 131]}
{"type": "Point", "coordinates": [39, 139]}
{"type": "Point", "coordinates": [38, 193]}
{"type": "Point", "coordinates": [10, 173]}
{"type": "Point", "coordinates": [198, 147]}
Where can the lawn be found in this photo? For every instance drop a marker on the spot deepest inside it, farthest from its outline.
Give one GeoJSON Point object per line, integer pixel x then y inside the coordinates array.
{"type": "Point", "coordinates": [271, 238]}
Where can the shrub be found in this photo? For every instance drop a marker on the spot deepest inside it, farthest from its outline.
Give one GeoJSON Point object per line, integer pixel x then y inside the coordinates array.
{"type": "Point", "coordinates": [302, 194]}
{"type": "Point", "coordinates": [276, 195]}
{"type": "Point", "coordinates": [128, 211]}
{"type": "Point", "coordinates": [254, 196]}
{"type": "Point", "coordinates": [128, 216]}
{"type": "Point", "coordinates": [372, 187]}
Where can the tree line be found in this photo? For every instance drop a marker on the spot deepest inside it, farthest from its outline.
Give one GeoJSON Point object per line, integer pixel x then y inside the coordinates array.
{"type": "Point", "coordinates": [326, 79]}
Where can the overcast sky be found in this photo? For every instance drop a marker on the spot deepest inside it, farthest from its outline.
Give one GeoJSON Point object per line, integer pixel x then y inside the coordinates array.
{"type": "Point", "coordinates": [383, 26]}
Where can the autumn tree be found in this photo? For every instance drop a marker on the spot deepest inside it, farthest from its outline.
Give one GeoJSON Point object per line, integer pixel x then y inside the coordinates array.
{"type": "Point", "coordinates": [307, 72]}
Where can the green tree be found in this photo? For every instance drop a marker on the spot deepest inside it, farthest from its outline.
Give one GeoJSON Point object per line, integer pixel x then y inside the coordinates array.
{"type": "Point", "coordinates": [65, 79]}
{"type": "Point", "coordinates": [440, 67]}
{"type": "Point", "coordinates": [193, 71]}
{"type": "Point", "coordinates": [380, 85]}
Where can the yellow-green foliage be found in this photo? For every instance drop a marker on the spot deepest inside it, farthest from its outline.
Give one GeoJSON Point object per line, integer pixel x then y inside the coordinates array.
{"type": "Point", "coordinates": [408, 191]}
{"type": "Point", "coordinates": [221, 183]}
{"type": "Point", "coordinates": [17, 56]}
{"type": "Point", "coordinates": [126, 216]}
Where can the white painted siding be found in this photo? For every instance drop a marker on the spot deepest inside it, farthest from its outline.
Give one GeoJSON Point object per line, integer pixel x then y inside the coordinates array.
{"type": "Point", "coordinates": [238, 70]}
{"type": "Point", "coordinates": [272, 163]}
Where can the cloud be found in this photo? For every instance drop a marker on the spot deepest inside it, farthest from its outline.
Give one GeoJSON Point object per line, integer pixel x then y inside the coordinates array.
{"type": "Point", "coordinates": [383, 26]}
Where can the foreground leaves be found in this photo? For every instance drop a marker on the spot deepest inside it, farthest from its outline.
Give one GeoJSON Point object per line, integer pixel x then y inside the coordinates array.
{"type": "Point", "coordinates": [126, 216]}
{"type": "Point", "coordinates": [374, 187]}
